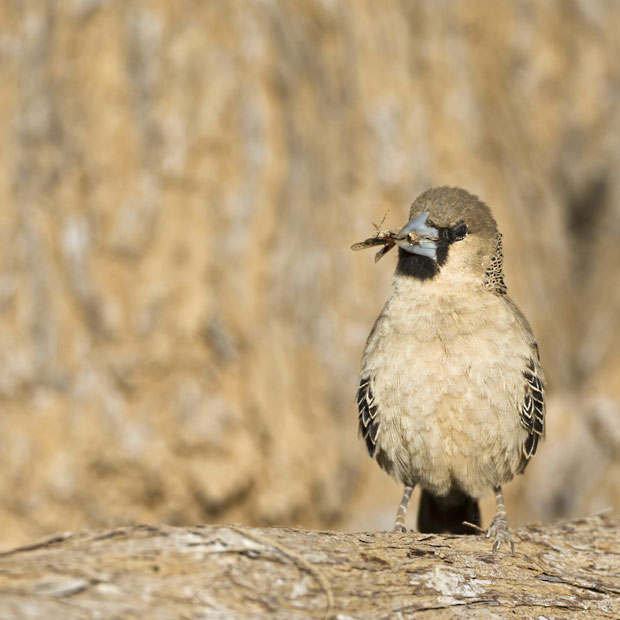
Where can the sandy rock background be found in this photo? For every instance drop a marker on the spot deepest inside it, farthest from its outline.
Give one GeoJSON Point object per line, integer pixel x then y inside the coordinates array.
{"type": "Point", "coordinates": [181, 318]}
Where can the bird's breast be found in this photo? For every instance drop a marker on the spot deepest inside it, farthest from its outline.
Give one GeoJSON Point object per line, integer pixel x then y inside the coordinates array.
{"type": "Point", "coordinates": [447, 378]}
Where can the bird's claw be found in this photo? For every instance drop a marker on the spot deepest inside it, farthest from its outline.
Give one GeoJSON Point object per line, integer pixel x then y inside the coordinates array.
{"type": "Point", "coordinates": [400, 529]}
{"type": "Point", "coordinates": [500, 532]}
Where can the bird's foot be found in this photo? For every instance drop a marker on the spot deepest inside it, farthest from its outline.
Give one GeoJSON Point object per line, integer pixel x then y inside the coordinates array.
{"type": "Point", "coordinates": [500, 531]}
{"type": "Point", "coordinates": [399, 528]}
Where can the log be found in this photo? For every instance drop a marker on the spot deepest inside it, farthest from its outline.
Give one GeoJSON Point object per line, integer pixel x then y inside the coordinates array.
{"type": "Point", "coordinates": [234, 571]}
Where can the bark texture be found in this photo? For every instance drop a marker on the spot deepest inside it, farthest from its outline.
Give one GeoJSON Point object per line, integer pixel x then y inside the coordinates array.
{"type": "Point", "coordinates": [566, 570]}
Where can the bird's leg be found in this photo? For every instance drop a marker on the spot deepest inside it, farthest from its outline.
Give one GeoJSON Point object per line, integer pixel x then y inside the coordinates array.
{"type": "Point", "coordinates": [499, 526]}
{"type": "Point", "coordinates": [399, 525]}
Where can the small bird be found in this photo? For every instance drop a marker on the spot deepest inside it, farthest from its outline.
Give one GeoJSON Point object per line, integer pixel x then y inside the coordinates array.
{"type": "Point", "coordinates": [451, 392]}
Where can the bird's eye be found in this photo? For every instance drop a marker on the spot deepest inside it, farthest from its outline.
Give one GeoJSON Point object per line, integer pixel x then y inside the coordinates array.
{"type": "Point", "coordinates": [460, 230]}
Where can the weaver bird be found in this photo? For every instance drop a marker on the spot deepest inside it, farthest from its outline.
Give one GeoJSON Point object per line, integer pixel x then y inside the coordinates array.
{"type": "Point", "coordinates": [451, 393]}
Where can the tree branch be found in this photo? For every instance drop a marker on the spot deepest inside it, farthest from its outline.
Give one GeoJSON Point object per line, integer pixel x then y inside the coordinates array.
{"type": "Point", "coordinates": [243, 572]}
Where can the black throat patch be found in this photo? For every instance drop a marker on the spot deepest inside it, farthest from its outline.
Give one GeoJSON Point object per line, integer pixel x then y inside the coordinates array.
{"type": "Point", "coordinates": [423, 267]}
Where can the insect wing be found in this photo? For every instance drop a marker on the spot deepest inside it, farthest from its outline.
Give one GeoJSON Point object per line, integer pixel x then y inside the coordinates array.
{"type": "Point", "coordinates": [384, 237]}
{"type": "Point", "coordinates": [384, 250]}
{"type": "Point", "coordinates": [369, 243]}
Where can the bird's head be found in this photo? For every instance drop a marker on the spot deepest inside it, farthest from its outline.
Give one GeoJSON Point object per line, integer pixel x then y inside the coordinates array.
{"type": "Point", "coordinates": [450, 229]}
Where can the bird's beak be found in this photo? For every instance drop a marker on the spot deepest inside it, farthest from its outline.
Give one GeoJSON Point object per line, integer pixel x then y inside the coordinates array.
{"type": "Point", "coordinates": [417, 237]}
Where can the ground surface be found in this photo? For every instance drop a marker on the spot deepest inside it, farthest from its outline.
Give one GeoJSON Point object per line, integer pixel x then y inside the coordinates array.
{"type": "Point", "coordinates": [164, 572]}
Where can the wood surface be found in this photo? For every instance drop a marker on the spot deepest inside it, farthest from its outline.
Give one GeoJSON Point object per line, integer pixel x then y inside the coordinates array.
{"type": "Point", "coordinates": [566, 570]}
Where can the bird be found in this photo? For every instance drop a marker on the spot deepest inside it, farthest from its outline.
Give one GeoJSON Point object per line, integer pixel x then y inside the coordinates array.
{"type": "Point", "coordinates": [451, 393]}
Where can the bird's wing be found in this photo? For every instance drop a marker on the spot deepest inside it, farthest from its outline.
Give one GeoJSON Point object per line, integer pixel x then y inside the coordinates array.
{"type": "Point", "coordinates": [532, 408]}
{"type": "Point", "coordinates": [368, 422]}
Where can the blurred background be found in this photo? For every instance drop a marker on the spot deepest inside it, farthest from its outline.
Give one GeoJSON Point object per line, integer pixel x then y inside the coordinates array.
{"type": "Point", "coordinates": [181, 317]}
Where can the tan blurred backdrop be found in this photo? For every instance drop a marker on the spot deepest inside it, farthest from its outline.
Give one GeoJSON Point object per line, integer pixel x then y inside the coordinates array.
{"type": "Point", "coordinates": [181, 318]}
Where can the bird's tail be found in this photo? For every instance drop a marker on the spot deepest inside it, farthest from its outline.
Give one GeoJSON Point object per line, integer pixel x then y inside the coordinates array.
{"type": "Point", "coordinates": [438, 515]}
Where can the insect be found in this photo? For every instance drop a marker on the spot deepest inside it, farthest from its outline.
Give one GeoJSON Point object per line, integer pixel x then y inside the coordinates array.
{"type": "Point", "coordinates": [385, 237]}
{"type": "Point", "coordinates": [389, 238]}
